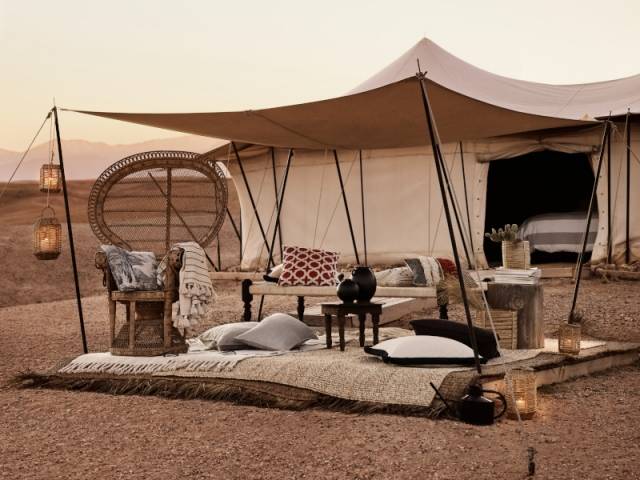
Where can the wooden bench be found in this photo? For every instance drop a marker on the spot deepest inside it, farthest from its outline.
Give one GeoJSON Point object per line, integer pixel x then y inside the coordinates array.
{"type": "Point", "coordinates": [249, 289]}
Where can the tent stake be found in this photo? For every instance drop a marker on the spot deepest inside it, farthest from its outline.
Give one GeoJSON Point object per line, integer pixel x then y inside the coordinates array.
{"type": "Point", "coordinates": [605, 136]}
{"type": "Point", "coordinates": [364, 225]}
{"type": "Point", "coordinates": [70, 233]}
{"type": "Point", "coordinates": [253, 202]}
{"type": "Point", "coordinates": [437, 155]}
{"type": "Point", "coordinates": [346, 207]}
{"type": "Point", "coordinates": [627, 250]}
{"type": "Point", "coordinates": [275, 188]}
{"type": "Point", "coordinates": [466, 202]}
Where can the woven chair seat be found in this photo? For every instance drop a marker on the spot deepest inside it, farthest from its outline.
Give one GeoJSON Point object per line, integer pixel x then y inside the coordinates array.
{"type": "Point", "coordinates": [140, 296]}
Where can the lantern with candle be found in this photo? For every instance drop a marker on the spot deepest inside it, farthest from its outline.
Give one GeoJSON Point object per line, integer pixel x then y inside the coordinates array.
{"type": "Point", "coordinates": [569, 334]}
{"type": "Point", "coordinates": [47, 236]}
{"type": "Point", "coordinates": [50, 178]}
{"type": "Point", "coordinates": [524, 398]}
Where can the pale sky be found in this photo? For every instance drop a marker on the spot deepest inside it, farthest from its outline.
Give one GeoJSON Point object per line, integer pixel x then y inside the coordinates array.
{"type": "Point", "coordinates": [183, 56]}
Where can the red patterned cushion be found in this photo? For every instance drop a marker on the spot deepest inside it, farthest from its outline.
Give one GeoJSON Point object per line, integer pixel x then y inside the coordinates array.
{"type": "Point", "coordinates": [308, 266]}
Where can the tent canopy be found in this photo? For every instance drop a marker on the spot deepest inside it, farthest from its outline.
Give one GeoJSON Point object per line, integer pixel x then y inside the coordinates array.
{"type": "Point", "coordinates": [386, 110]}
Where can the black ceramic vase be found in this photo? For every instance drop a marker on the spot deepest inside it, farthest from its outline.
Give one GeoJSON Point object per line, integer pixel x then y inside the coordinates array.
{"type": "Point", "coordinates": [366, 281]}
{"type": "Point", "coordinates": [347, 289]}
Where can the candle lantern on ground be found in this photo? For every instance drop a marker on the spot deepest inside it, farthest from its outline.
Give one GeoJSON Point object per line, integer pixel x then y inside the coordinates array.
{"type": "Point", "coordinates": [569, 334]}
{"type": "Point", "coordinates": [524, 398]}
{"type": "Point", "coordinates": [47, 236]}
{"type": "Point", "coordinates": [50, 178]}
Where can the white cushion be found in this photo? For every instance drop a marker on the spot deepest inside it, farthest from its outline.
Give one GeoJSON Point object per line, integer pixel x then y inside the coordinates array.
{"type": "Point", "coordinates": [277, 332]}
{"type": "Point", "coordinates": [395, 277]}
{"type": "Point", "coordinates": [223, 337]}
{"type": "Point", "coordinates": [423, 349]}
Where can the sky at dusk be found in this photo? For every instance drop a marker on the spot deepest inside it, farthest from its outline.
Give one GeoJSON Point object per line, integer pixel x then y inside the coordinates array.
{"type": "Point", "coordinates": [168, 56]}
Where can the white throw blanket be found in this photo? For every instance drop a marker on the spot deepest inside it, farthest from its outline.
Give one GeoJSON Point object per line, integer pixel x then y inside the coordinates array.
{"type": "Point", "coordinates": [195, 290]}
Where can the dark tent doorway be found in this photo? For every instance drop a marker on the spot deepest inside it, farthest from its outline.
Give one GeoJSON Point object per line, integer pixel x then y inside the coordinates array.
{"type": "Point", "coordinates": [532, 184]}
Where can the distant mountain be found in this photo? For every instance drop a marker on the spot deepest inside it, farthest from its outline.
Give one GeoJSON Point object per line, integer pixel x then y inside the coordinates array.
{"type": "Point", "coordinates": [87, 160]}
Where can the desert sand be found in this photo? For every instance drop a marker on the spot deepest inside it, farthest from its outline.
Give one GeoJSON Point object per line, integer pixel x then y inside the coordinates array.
{"type": "Point", "coordinates": [584, 429]}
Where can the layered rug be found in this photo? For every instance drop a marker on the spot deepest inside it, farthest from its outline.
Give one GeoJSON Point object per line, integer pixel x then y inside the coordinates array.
{"type": "Point", "coordinates": [312, 376]}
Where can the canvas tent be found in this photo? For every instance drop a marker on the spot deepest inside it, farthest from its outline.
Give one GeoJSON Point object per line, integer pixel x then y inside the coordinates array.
{"type": "Point", "coordinates": [481, 117]}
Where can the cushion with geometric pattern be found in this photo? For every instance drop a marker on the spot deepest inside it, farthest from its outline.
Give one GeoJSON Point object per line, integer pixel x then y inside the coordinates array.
{"type": "Point", "coordinates": [308, 267]}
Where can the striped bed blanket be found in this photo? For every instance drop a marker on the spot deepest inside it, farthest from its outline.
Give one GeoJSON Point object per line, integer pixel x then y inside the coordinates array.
{"type": "Point", "coordinates": [558, 232]}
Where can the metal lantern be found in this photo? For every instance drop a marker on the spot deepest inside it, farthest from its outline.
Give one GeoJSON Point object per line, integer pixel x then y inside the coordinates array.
{"type": "Point", "coordinates": [50, 178]}
{"type": "Point", "coordinates": [569, 338]}
{"type": "Point", "coordinates": [47, 236]}
{"type": "Point", "coordinates": [524, 398]}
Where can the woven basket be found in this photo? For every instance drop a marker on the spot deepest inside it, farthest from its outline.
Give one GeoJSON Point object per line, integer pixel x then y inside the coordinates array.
{"type": "Point", "coordinates": [505, 323]}
{"type": "Point", "coordinates": [516, 255]}
{"type": "Point", "coordinates": [47, 236]}
{"type": "Point", "coordinates": [569, 338]}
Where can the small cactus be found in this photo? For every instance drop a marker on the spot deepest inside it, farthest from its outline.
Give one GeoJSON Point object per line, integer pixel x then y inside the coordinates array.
{"type": "Point", "coordinates": [507, 234]}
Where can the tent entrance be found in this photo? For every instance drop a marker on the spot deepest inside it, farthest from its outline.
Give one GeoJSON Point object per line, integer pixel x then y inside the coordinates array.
{"type": "Point", "coordinates": [536, 183]}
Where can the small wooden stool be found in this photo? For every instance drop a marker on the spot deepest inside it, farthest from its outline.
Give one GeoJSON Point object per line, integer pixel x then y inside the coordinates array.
{"type": "Point", "coordinates": [341, 310]}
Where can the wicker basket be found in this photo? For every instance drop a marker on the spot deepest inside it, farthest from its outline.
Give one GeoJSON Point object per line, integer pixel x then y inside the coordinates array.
{"type": "Point", "coordinates": [569, 338]}
{"type": "Point", "coordinates": [505, 323]}
{"type": "Point", "coordinates": [523, 381]}
{"type": "Point", "coordinates": [516, 255]}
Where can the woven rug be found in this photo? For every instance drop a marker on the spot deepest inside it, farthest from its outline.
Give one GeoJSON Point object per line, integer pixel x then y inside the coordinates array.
{"type": "Point", "coordinates": [349, 381]}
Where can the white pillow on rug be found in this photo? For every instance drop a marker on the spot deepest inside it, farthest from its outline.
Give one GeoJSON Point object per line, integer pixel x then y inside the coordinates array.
{"type": "Point", "coordinates": [423, 349]}
{"type": "Point", "coordinates": [223, 337]}
{"type": "Point", "coordinates": [279, 332]}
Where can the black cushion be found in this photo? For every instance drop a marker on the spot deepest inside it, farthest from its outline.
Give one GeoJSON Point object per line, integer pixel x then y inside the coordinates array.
{"type": "Point", "coordinates": [487, 346]}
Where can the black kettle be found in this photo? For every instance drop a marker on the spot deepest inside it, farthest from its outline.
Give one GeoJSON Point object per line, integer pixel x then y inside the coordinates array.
{"type": "Point", "coordinates": [474, 408]}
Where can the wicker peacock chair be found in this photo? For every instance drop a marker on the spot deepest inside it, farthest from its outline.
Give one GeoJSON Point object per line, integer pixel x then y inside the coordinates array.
{"type": "Point", "coordinates": [149, 202]}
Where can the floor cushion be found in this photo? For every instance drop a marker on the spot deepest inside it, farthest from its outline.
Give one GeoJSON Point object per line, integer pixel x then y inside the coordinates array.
{"type": "Point", "coordinates": [395, 277]}
{"type": "Point", "coordinates": [485, 339]}
{"type": "Point", "coordinates": [223, 337]}
{"type": "Point", "coordinates": [423, 350]}
{"type": "Point", "coordinates": [278, 332]}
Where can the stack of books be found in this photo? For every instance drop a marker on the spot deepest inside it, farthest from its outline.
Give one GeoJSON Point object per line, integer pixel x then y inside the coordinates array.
{"type": "Point", "coordinates": [529, 276]}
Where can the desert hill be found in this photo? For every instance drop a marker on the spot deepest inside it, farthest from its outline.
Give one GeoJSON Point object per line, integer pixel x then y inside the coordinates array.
{"type": "Point", "coordinates": [84, 159]}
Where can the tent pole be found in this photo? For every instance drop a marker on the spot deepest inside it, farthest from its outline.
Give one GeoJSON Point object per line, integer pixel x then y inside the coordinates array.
{"type": "Point", "coordinates": [233, 224]}
{"type": "Point", "coordinates": [466, 202]}
{"type": "Point", "coordinates": [70, 233]}
{"type": "Point", "coordinates": [275, 188]}
{"type": "Point", "coordinates": [253, 203]}
{"type": "Point", "coordinates": [364, 225]}
{"type": "Point", "coordinates": [456, 214]}
{"type": "Point", "coordinates": [609, 235]}
{"type": "Point", "coordinates": [627, 250]}
{"type": "Point", "coordinates": [592, 201]}
{"type": "Point", "coordinates": [346, 207]}
{"type": "Point", "coordinates": [437, 155]}
{"type": "Point", "coordinates": [279, 203]}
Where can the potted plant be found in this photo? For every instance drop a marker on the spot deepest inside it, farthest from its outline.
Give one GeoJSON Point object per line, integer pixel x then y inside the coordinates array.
{"type": "Point", "coordinates": [515, 252]}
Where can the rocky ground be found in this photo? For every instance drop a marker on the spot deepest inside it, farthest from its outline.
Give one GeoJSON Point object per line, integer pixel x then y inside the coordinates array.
{"type": "Point", "coordinates": [585, 429]}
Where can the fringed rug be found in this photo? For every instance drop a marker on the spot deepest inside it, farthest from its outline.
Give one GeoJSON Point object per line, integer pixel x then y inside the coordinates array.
{"type": "Point", "coordinates": [350, 381]}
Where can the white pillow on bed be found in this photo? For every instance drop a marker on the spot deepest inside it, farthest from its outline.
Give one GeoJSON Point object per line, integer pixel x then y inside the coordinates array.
{"type": "Point", "coordinates": [423, 349]}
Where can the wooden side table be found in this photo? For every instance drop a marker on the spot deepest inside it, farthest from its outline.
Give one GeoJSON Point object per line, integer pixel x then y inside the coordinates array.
{"type": "Point", "coordinates": [341, 310]}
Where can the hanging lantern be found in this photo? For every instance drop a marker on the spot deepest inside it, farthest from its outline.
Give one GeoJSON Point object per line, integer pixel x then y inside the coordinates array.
{"type": "Point", "coordinates": [569, 338]}
{"type": "Point", "coordinates": [524, 398]}
{"type": "Point", "coordinates": [50, 178]}
{"type": "Point", "coordinates": [47, 236]}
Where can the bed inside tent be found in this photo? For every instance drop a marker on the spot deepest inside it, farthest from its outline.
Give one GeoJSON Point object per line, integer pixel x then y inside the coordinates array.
{"type": "Point", "coordinates": [547, 194]}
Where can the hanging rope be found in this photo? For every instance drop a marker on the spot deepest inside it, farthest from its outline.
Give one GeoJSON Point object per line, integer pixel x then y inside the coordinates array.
{"type": "Point", "coordinates": [24, 155]}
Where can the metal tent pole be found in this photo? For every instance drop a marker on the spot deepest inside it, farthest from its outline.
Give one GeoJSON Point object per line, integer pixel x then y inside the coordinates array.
{"type": "Point", "coordinates": [609, 235]}
{"type": "Point", "coordinates": [466, 202]}
{"type": "Point", "coordinates": [275, 187]}
{"type": "Point", "coordinates": [627, 250]}
{"type": "Point", "coordinates": [280, 201]}
{"type": "Point", "coordinates": [437, 155]}
{"type": "Point", "coordinates": [253, 202]}
{"type": "Point", "coordinates": [70, 233]}
{"type": "Point", "coordinates": [364, 225]}
{"type": "Point", "coordinates": [592, 201]}
{"type": "Point", "coordinates": [346, 206]}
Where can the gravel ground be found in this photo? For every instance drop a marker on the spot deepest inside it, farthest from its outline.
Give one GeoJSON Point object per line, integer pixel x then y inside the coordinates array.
{"type": "Point", "coordinates": [587, 428]}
